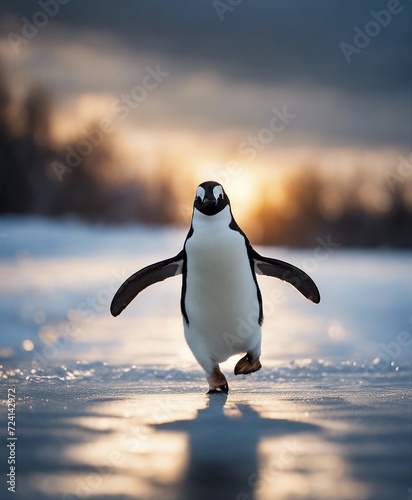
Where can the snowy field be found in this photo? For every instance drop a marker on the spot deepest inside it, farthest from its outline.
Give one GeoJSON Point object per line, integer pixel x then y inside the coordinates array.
{"type": "Point", "coordinates": [115, 408]}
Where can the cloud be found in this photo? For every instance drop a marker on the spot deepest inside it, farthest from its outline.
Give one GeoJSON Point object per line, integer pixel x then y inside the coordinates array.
{"type": "Point", "coordinates": [272, 42]}
{"type": "Point", "coordinates": [229, 75]}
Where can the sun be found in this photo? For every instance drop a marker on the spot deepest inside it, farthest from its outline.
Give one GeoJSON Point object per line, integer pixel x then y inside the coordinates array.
{"type": "Point", "coordinates": [243, 193]}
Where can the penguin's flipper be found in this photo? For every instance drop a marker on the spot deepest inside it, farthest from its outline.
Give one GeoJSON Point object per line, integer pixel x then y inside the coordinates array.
{"type": "Point", "coordinates": [286, 272]}
{"type": "Point", "coordinates": [144, 278]}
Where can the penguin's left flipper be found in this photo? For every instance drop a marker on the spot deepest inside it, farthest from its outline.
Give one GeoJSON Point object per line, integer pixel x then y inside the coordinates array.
{"type": "Point", "coordinates": [144, 278]}
{"type": "Point", "coordinates": [286, 272]}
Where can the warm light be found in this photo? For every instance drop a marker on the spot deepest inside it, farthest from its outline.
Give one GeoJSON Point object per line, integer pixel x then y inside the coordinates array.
{"type": "Point", "coordinates": [375, 199]}
{"type": "Point", "coordinates": [289, 469]}
{"type": "Point", "coordinates": [336, 331]}
{"type": "Point", "coordinates": [80, 117]}
{"type": "Point", "coordinates": [244, 193]}
{"type": "Point", "coordinates": [27, 345]}
{"type": "Point", "coordinates": [48, 334]}
{"type": "Point", "coordinates": [123, 447]}
{"type": "Point", "coordinates": [6, 352]}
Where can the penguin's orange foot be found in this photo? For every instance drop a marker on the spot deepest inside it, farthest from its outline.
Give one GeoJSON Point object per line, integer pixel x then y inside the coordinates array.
{"type": "Point", "coordinates": [247, 365]}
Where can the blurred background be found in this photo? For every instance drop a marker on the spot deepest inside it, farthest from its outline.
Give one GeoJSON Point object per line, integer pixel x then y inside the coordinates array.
{"type": "Point", "coordinates": [114, 112]}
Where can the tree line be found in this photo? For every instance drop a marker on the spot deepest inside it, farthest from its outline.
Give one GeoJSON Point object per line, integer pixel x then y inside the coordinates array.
{"type": "Point", "coordinates": [37, 177]}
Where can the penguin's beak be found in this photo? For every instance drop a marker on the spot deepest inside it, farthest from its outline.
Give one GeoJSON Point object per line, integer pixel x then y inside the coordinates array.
{"type": "Point", "coordinates": [207, 202]}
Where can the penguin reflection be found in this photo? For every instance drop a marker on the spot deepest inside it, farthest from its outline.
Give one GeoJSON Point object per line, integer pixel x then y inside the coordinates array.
{"type": "Point", "coordinates": [223, 457]}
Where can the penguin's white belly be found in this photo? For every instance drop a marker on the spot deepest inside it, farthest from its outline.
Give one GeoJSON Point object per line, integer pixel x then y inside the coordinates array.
{"type": "Point", "coordinates": [221, 296]}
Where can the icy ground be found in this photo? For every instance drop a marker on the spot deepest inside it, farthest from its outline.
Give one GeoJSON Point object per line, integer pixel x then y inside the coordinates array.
{"type": "Point", "coordinates": [116, 408]}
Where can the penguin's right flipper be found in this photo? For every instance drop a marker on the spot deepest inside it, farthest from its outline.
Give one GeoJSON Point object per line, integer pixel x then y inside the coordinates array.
{"type": "Point", "coordinates": [144, 278]}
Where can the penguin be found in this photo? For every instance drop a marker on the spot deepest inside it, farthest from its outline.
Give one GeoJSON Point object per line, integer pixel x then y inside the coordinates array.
{"type": "Point", "coordinates": [221, 302]}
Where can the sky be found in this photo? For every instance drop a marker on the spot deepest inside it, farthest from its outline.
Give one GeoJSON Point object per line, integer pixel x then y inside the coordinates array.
{"type": "Point", "coordinates": [306, 71]}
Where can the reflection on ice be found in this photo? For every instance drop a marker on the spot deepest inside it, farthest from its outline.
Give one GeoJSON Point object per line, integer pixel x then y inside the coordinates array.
{"type": "Point", "coordinates": [223, 448]}
{"type": "Point", "coordinates": [308, 467]}
{"type": "Point", "coordinates": [119, 436]}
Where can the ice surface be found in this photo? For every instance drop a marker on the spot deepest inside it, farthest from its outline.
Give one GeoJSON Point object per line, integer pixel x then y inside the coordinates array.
{"type": "Point", "coordinates": [114, 408]}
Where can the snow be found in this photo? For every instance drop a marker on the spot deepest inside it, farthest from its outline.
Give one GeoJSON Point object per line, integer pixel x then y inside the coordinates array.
{"type": "Point", "coordinates": [115, 408]}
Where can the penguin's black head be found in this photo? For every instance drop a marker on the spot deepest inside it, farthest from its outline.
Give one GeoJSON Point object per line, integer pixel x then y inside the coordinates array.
{"type": "Point", "coordinates": [210, 198]}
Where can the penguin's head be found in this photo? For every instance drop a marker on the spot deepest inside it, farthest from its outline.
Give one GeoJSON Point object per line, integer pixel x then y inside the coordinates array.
{"type": "Point", "coordinates": [210, 198]}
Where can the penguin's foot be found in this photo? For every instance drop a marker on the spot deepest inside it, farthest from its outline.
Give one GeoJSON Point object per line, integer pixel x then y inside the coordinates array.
{"type": "Point", "coordinates": [217, 382]}
{"type": "Point", "coordinates": [222, 390]}
{"type": "Point", "coordinates": [247, 365]}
